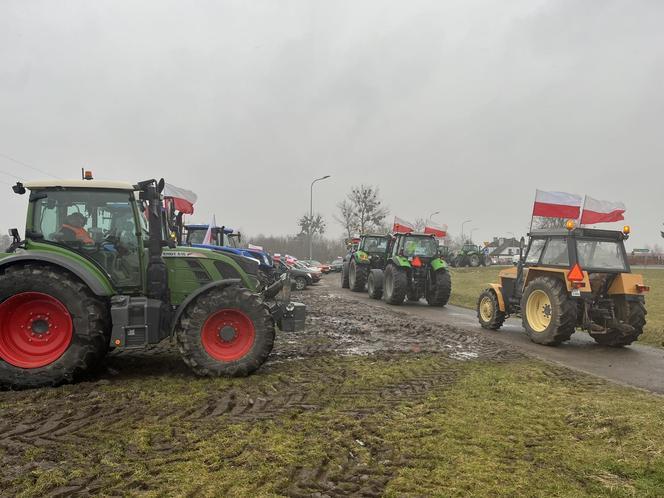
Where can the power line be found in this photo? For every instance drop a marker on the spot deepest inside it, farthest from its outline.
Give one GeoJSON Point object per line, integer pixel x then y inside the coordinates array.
{"type": "Point", "coordinates": [8, 174]}
{"type": "Point", "coordinates": [26, 165]}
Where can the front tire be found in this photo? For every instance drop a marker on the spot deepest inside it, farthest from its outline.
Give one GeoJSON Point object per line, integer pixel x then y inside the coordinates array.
{"type": "Point", "coordinates": [225, 332]}
{"type": "Point", "coordinates": [52, 327]}
{"type": "Point", "coordinates": [548, 314]}
{"type": "Point", "coordinates": [357, 276]}
{"type": "Point", "coordinates": [396, 285]}
{"type": "Point", "coordinates": [488, 310]}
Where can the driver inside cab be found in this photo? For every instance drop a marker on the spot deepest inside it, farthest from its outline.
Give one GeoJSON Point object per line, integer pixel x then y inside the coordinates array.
{"type": "Point", "coordinates": [73, 230]}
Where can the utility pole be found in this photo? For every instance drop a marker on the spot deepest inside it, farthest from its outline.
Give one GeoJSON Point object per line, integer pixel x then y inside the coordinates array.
{"type": "Point", "coordinates": [311, 213]}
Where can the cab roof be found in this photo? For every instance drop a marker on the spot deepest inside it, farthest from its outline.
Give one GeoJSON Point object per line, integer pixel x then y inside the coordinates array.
{"type": "Point", "coordinates": [196, 226]}
{"type": "Point", "coordinates": [579, 232]}
{"type": "Point", "coordinates": [102, 184]}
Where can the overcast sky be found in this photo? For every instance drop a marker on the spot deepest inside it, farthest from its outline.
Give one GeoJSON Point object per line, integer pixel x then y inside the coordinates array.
{"type": "Point", "coordinates": [463, 107]}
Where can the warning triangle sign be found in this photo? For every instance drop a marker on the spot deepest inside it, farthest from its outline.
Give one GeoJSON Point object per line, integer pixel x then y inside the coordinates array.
{"type": "Point", "coordinates": [575, 274]}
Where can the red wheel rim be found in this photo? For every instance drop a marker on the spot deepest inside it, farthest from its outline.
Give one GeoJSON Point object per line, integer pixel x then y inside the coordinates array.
{"type": "Point", "coordinates": [35, 330]}
{"type": "Point", "coordinates": [228, 335]}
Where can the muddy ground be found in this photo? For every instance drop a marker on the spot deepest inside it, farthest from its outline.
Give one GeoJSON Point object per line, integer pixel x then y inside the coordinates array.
{"type": "Point", "coordinates": [48, 437]}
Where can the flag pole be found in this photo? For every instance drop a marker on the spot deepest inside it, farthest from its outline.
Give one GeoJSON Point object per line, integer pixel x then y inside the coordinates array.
{"type": "Point", "coordinates": [583, 206]}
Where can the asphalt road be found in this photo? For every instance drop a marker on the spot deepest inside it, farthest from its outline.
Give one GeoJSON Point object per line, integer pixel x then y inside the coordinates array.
{"type": "Point", "coordinates": [636, 365]}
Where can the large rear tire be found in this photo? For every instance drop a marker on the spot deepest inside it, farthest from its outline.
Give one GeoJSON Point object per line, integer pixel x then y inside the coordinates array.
{"type": "Point", "coordinates": [345, 284]}
{"type": "Point", "coordinates": [375, 284]}
{"type": "Point", "coordinates": [632, 314]}
{"type": "Point", "coordinates": [474, 260]}
{"type": "Point", "coordinates": [488, 310]}
{"type": "Point", "coordinates": [396, 285]}
{"type": "Point", "coordinates": [225, 332]}
{"type": "Point", "coordinates": [357, 276]}
{"type": "Point", "coordinates": [52, 327]}
{"type": "Point", "coordinates": [548, 313]}
{"type": "Point", "coordinates": [440, 288]}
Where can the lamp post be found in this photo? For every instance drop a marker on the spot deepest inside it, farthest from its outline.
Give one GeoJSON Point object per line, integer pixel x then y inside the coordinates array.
{"type": "Point", "coordinates": [462, 224]}
{"type": "Point", "coordinates": [311, 213]}
{"type": "Point", "coordinates": [432, 215]}
{"type": "Point", "coordinates": [471, 234]}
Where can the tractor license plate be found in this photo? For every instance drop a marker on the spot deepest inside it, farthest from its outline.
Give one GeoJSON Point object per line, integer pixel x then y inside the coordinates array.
{"type": "Point", "coordinates": [576, 292]}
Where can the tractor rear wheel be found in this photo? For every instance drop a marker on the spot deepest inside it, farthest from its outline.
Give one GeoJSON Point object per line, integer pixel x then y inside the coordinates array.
{"type": "Point", "coordinates": [440, 288]}
{"type": "Point", "coordinates": [345, 284]}
{"type": "Point", "coordinates": [375, 284]}
{"type": "Point", "coordinates": [488, 310]}
{"type": "Point", "coordinates": [548, 314]}
{"type": "Point", "coordinates": [357, 276]}
{"type": "Point", "coordinates": [631, 314]}
{"type": "Point", "coordinates": [396, 285]}
{"type": "Point", "coordinates": [474, 260]}
{"type": "Point", "coordinates": [52, 327]}
{"type": "Point", "coordinates": [225, 332]}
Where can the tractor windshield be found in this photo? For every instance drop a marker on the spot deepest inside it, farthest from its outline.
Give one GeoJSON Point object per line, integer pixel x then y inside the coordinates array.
{"type": "Point", "coordinates": [374, 244]}
{"type": "Point", "coordinates": [426, 247]}
{"type": "Point", "coordinates": [99, 224]}
{"type": "Point", "coordinates": [600, 255]}
{"type": "Point", "coordinates": [196, 236]}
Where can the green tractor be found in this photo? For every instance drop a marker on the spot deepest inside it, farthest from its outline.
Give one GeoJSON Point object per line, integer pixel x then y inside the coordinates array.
{"type": "Point", "coordinates": [370, 254]}
{"type": "Point", "coordinates": [469, 255]}
{"type": "Point", "coordinates": [98, 270]}
{"type": "Point", "coordinates": [414, 269]}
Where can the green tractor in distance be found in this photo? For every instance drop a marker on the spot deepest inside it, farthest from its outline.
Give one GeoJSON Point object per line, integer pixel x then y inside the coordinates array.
{"type": "Point", "coordinates": [414, 269]}
{"type": "Point", "coordinates": [469, 255]}
{"type": "Point", "coordinates": [370, 254]}
{"type": "Point", "coordinates": [99, 270]}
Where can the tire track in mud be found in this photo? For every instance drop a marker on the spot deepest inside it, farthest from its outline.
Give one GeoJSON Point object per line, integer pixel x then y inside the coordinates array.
{"type": "Point", "coordinates": [49, 420]}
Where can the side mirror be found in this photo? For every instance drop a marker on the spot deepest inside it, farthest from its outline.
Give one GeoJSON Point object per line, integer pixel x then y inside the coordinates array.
{"type": "Point", "coordinates": [239, 238]}
{"type": "Point", "coordinates": [161, 185]}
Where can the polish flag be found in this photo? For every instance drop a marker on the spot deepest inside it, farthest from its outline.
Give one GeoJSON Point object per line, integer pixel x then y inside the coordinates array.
{"type": "Point", "coordinates": [595, 211]}
{"type": "Point", "coordinates": [402, 226]}
{"type": "Point", "coordinates": [208, 235]}
{"type": "Point", "coordinates": [183, 199]}
{"type": "Point", "coordinates": [557, 205]}
{"type": "Point", "coordinates": [437, 230]}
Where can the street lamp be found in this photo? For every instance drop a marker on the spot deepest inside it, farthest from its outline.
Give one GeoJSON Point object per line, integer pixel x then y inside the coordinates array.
{"type": "Point", "coordinates": [432, 215]}
{"type": "Point", "coordinates": [471, 234]}
{"type": "Point", "coordinates": [462, 224]}
{"type": "Point", "coordinates": [311, 212]}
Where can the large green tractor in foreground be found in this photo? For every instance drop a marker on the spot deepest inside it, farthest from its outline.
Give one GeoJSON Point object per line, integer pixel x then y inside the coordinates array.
{"type": "Point", "coordinates": [370, 254]}
{"type": "Point", "coordinates": [414, 269]}
{"type": "Point", "coordinates": [98, 270]}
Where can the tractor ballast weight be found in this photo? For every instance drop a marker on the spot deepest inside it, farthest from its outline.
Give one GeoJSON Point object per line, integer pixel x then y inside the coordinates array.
{"type": "Point", "coordinates": [569, 279]}
{"type": "Point", "coordinates": [413, 269]}
{"type": "Point", "coordinates": [97, 270]}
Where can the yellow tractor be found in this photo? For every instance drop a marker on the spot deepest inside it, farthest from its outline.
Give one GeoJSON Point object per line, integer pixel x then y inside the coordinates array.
{"type": "Point", "coordinates": [567, 279]}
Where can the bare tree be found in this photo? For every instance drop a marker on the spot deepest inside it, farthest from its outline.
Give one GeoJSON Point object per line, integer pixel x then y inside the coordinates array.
{"type": "Point", "coordinates": [364, 209]}
{"type": "Point", "coordinates": [346, 217]}
{"type": "Point", "coordinates": [541, 223]}
{"type": "Point", "coordinates": [420, 223]}
{"type": "Point", "coordinates": [312, 225]}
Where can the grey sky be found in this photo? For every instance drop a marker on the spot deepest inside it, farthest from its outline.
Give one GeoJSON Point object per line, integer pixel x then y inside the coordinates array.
{"type": "Point", "coordinates": [464, 107]}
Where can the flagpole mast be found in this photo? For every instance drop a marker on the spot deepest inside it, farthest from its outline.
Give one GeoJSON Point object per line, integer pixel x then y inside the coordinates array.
{"type": "Point", "coordinates": [583, 206]}
{"type": "Point", "coordinates": [532, 214]}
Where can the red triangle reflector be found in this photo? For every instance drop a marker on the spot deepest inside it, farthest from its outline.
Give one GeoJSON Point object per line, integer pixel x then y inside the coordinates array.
{"type": "Point", "coordinates": [416, 262]}
{"type": "Point", "coordinates": [575, 274]}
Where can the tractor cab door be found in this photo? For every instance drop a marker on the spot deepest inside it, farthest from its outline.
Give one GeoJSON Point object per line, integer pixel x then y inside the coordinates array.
{"type": "Point", "coordinates": [531, 257]}
{"type": "Point", "coordinates": [100, 225]}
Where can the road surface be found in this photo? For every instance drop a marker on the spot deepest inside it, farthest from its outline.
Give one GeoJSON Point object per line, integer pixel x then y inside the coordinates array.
{"type": "Point", "coordinates": [636, 365]}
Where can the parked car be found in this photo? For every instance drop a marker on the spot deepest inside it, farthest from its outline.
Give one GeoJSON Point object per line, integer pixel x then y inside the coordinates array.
{"type": "Point", "coordinates": [312, 263]}
{"type": "Point", "coordinates": [299, 278]}
{"type": "Point", "coordinates": [337, 265]}
{"type": "Point", "coordinates": [315, 273]}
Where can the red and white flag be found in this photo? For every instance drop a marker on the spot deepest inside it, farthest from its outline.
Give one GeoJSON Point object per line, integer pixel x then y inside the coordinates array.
{"type": "Point", "coordinates": [557, 205]}
{"type": "Point", "coordinates": [595, 211]}
{"type": "Point", "coordinates": [183, 199]}
{"type": "Point", "coordinates": [208, 235]}
{"type": "Point", "coordinates": [402, 226]}
{"type": "Point", "coordinates": [437, 230]}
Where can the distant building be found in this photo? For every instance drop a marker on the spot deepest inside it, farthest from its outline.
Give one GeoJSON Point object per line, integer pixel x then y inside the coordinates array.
{"type": "Point", "coordinates": [503, 249]}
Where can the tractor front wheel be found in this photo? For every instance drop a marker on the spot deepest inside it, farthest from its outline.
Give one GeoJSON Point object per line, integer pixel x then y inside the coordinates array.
{"type": "Point", "coordinates": [225, 332]}
{"type": "Point", "coordinates": [488, 310]}
{"type": "Point", "coordinates": [357, 276]}
{"type": "Point", "coordinates": [52, 327]}
{"type": "Point", "coordinates": [548, 314]}
{"type": "Point", "coordinates": [396, 285]}
{"type": "Point", "coordinates": [375, 284]}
